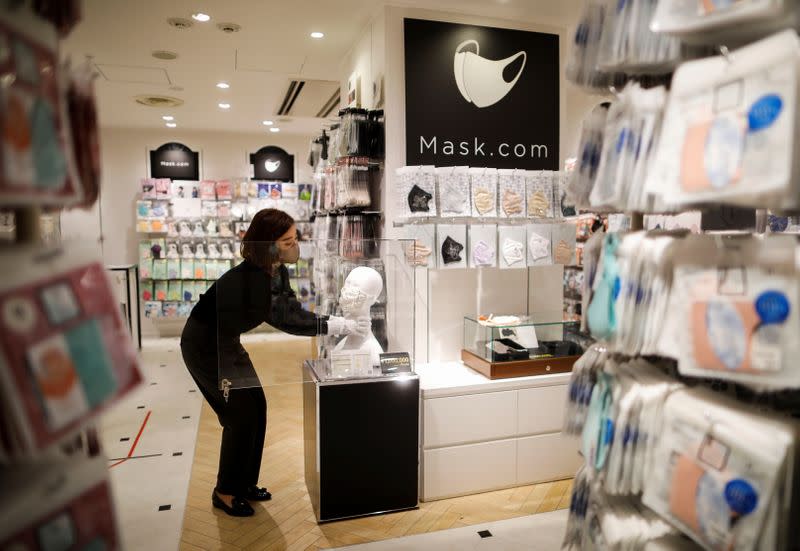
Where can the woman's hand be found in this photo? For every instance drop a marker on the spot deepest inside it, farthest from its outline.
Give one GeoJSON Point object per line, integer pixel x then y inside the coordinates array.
{"type": "Point", "coordinates": [341, 326]}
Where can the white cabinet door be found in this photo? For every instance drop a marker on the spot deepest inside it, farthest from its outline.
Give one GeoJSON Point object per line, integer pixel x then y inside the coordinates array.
{"type": "Point", "coordinates": [466, 419]}
{"type": "Point", "coordinates": [470, 469]}
{"type": "Point", "coordinates": [541, 410]}
{"type": "Point", "coordinates": [546, 457]}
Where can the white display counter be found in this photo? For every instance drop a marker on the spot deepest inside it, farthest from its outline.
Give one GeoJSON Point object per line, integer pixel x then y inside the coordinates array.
{"type": "Point", "coordinates": [480, 435]}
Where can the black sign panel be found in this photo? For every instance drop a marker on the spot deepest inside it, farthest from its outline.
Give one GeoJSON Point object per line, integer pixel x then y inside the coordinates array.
{"type": "Point", "coordinates": [395, 362]}
{"type": "Point", "coordinates": [481, 96]}
{"type": "Point", "coordinates": [272, 163]}
{"type": "Point", "coordinates": [175, 161]}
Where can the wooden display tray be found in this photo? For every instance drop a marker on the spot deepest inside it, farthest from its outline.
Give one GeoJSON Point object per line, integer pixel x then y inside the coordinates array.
{"type": "Point", "coordinates": [518, 368]}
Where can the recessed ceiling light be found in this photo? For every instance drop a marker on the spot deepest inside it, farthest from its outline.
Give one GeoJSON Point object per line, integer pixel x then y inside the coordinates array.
{"type": "Point", "coordinates": [201, 17]}
{"type": "Point", "coordinates": [274, 129]}
{"type": "Point", "coordinates": [168, 118]}
{"type": "Point", "coordinates": [223, 85]}
{"type": "Point", "coordinates": [171, 125]}
{"type": "Point", "coordinates": [224, 105]}
{"type": "Point", "coordinates": [317, 34]}
{"type": "Point", "coordinates": [267, 123]}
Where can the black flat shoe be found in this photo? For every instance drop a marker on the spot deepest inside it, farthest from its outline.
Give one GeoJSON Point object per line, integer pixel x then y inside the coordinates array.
{"type": "Point", "coordinates": [254, 493]}
{"type": "Point", "coordinates": [239, 506]}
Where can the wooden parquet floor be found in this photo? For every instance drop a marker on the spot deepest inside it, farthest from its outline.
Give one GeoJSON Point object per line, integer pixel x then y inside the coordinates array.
{"type": "Point", "coordinates": [287, 521]}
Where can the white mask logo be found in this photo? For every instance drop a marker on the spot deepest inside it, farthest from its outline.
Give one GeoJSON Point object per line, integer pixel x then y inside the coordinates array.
{"type": "Point", "coordinates": [272, 166]}
{"type": "Point", "coordinates": [481, 80]}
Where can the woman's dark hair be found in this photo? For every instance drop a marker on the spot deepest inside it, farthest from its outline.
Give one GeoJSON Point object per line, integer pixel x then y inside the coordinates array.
{"type": "Point", "coordinates": [258, 243]}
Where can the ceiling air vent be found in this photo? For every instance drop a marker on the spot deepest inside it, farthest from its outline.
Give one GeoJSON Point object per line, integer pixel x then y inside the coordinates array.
{"type": "Point", "coordinates": [229, 28]}
{"type": "Point", "coordinates": [165, 55]}
{"type": "Point", "coordinates": [158, 101]}
{"type": "Point", "coordinates": [179, 23]}
{"type": "Point", "coordinates": [309, 98]}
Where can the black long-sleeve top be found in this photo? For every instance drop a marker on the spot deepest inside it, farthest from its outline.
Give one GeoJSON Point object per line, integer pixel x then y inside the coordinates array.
{"type": "Point", "coordinates": [246, 296]}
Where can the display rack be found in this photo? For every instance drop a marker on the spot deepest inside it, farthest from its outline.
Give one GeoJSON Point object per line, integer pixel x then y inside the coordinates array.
{"type": "Point", "coordinates": [686, 420]}
{"type": "Point", "coordinates": [66, 351]}
{"type": "Point", "coordinates": [192, 234]}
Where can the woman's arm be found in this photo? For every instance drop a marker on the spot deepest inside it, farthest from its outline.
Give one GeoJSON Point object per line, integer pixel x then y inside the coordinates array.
{"type": "Point", "coordinates": [287, 314]}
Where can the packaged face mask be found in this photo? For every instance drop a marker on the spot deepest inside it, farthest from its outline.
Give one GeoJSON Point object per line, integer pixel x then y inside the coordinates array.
{"type": "Point", "coordinates": [740, 315]}
{"type": "Point", "coordinates": [512, 193]}
{"type": "Point", "coordinates": [601, 316]}
{"type": "Point", "coordinates": [729, 129]}
{"type": "Point", "coordinates": [722, 21]}
{"type": "Point", "coordinates": [512, 247]}
{"type": "Point", "coordinates": [453, 191]}
{"type": "Point", "coordinates": [451, 248]}
{"type": "Point", "coordinates": [483, 183]}
{"type": "Point", "coordinates": [720, 466]}
{"type": "Point", "coordinates": [420, 251]}
{"type": "Point", "coordinates": [416, 191]}
{"type": "Point", "coordinates": [538, 245]}
{"type": "Point", "coordinates": [563, 241]}
{"type": "Point", "coordinates": [483, 246]}
{"type": "Point", "coordinates": [540, 194]}
{"type": "Point", "coordinates": [582, 180]}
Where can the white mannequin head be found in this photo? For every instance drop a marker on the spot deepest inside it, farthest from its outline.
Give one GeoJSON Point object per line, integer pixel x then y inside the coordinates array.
{"type": "Point", "coordinates": [361, 289]}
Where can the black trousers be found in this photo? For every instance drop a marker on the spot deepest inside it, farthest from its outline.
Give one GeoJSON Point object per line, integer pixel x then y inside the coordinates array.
{"type": "Point", "coordinates": [243, 417]}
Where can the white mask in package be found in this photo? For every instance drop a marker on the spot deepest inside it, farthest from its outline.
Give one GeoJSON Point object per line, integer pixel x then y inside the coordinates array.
{"type": "Point", "coordinates": [453, 191]}
{"type": "Point", "coordinates": [511, 247]}
{"type": "Point", "coordinates": [729, 129]}
{"type": "Point", "coordinates": [739, 323]}
{"type": "Point", "coordinates": [721, 468]}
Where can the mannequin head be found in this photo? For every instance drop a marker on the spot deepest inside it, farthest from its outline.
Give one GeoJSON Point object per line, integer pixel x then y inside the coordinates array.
{"type": "Point", "coordinates": [360, 291]}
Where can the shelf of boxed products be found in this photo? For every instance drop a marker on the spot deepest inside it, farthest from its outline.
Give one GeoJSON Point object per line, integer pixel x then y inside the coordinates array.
{"type": "Point", "coordinates": [200, 226]}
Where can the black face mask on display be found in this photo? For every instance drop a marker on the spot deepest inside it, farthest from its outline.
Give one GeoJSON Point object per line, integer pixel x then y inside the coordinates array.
{"type": "Point", "coordinates": [419, 200]}
{"type": "Point", "coordinates": [451, 250]}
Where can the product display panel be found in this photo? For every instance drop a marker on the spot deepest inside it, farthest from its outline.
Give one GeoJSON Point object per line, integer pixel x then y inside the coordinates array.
{"type": "Point", "coordinates": [358, 301]}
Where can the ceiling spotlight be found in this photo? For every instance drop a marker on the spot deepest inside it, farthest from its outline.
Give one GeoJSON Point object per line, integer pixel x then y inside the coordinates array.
{"type": "Point", "coordinates": [201, 17]}
{"type": "Point", "coordinates": [267, 123]}
{"type": "Point", "coordinates": [223, 85]}
{"type": "Point", "coordinates": [168, 118]}
{"type": "Point", "coordinates": [317, 34]}
{"type": "Point", "coordinates": [274, 129]}
{"type": "Point", "coordinates": [171, 125]}
{"type": "Point", "coordinates": [224, 105]}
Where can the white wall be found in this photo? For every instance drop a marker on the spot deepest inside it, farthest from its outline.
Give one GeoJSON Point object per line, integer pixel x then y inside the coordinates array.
{"type": "Point", "coordinates": [124, 161]}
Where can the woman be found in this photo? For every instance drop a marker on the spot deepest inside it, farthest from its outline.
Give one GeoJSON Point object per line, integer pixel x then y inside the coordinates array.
{"type": "Point", "coordinates": [255, 291]}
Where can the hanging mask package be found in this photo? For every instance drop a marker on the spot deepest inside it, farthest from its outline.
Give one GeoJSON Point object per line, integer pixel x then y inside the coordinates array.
{"type": "Point", "coordinates": [483, 246]}
{"type": "Point", "coordinates": [582, 66]}
{"type": "Point", "coordinates": [729, 129]}
{"type": "Point", "coordinates": [538, 242]}
{"type": "Point", "coordinates": [581, 181]}
{"type": "Point", "coordinates": [416, 191]}
{"type": "Point", "coordinates": [738, 299]}
{"type": "Point", "coordinates": [66, 353]}
{"type": "Point", "coordinates": [453, 191]}
{"type": "Point", "coordinates": [726, 477]}
{"type": "Point", "coordinates": [723, 22]}
{"type": "Point", "coordinates": [483, 183]}
{"type": "Point", "coordinates": [563, 242]}
{"type": "Point", "coordinates": [420, 251]}
{"type": "Point", "coordinates": [539, 189]}
{"type": "Point", "coordinates": [512, 248]}
{"type": "Point", "coordinates": [512, 193]}
{"type": "Point", "coordinates": [451, 246]}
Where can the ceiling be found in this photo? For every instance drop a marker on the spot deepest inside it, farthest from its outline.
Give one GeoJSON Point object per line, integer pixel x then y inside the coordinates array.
{"type": "Point", "coordinates": [272, 47]}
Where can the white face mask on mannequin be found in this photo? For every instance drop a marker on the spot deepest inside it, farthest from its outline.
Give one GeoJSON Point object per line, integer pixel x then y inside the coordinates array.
{"type": "Point", "coordinates": [480, 80]}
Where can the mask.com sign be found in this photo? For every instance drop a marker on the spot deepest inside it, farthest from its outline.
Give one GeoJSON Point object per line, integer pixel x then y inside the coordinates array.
{"type": "Point", "coordinates": [481, 96]}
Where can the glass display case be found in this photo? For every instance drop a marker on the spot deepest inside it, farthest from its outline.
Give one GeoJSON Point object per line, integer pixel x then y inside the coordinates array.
{"type": "Point", "coordinates": [517, 346]}
{"type": "Point", "coordinates": [362, 311]}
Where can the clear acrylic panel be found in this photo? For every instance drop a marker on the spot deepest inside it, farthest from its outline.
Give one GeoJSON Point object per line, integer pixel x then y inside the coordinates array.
{"type": "Point", "coordinates": [523, 339]}
{"type": "Point", "coordinates": [355, 297]}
